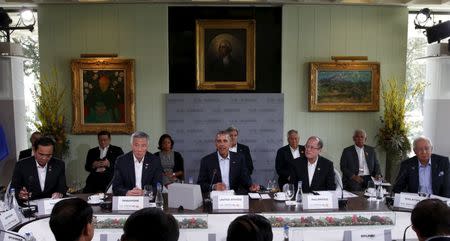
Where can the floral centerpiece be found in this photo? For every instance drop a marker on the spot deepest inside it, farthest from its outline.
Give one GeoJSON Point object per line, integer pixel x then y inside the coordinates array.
{"type": "Point", "coordinates": [49, 101]}
{"type": "Point", "coordinates": [393, 135]}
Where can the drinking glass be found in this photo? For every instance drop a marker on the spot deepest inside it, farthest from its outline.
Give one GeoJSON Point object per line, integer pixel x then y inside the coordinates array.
{"type": "Point", "coordinates": [371, 191]}
{"type": "Point", "coordinates": [288, 189]}
{"type": "Point", "coordinates": [148, 191]}
{"type": "Point", "coordinates": [422, 191]}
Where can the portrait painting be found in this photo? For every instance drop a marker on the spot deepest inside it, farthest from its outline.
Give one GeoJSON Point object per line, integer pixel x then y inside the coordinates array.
{"type": "Point", "coordinates": [225, 54]}
{"type": "Point", "coordinates": [344, 86]}
{"type": "Point", "coordinates": [103, 95]}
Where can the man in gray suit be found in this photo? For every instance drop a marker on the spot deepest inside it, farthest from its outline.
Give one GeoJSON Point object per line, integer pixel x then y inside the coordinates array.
{"type": "Point", "coordinates": [359, 163]}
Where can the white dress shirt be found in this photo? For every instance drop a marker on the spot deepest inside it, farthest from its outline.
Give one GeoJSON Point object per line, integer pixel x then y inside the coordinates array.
{"type": "Point", "coordinates": [296, 152]}
{"type": "Point", "coordinates": [311, 170]}
{"type": "Point", "coordinates": [224, 164]}
{"type": "Point", "coordinates": [234, 148]}
{"type": "Point", "coordinates": [103, 151]}
{"type": "Point", "coordinates": [138, 171]}
{"type": "Point", "coordinates": [363, 168]}
{"type": "Point", "coordinates": [42, 173]}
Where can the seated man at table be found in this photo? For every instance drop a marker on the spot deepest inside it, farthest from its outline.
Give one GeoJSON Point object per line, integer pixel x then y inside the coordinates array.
{"type": "Point", "coordinates": [100, 163]}
{"type": "Point", "coordinates": [41, 175]}
{"type": "Point", "coordinates": [359, 163]}
{"type": "Point", "coordinates": [150, 224]}
{"type": "Point", "coordinates": [430, 220]}
{"type": "Point", "coordinates": [224, 170]}
{"type": "Point", "coordinates": [250, 227]}
{"type": "Point", "coordinates": [425, 172]}
{"type": "Point", "coordinates": [285, 155]}
{"type": "Point", "coordinates": [71, 219]}
{"type": "Point", "coordinates": [137, 168]}
{"type": "Point", "coordinates": [30, 152]}
{"type": "Point", "coordinates": [315, 172]}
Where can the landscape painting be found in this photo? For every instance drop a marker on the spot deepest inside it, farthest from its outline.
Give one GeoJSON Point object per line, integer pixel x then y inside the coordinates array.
{"type": "Point", "coordinates": [344, 86]}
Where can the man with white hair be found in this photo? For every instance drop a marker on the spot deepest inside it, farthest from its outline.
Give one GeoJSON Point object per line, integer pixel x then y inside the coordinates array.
{"type": "Point", "coordinates": [359, 163]}
{"type": "Point", "coordinates": [137, 168]}
{"type": "Point", "coordinates": [425, 172]}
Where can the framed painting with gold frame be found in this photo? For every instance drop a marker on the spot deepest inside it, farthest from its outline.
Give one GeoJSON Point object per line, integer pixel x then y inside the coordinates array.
{"type": "Point", "coordinates": [344, 86]}
{"type": "Point", "coordinates": [225, 52]}
{"type": "Point", "coordinates": [103, 95]}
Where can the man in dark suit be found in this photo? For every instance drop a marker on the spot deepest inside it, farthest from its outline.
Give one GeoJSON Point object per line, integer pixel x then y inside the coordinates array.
{"type": "Point", "coordinates": [137, 168]}
{"type": "Point", "coordinates": [315, 171]}
{"type": "Point", "coordinates": [41, 175]}
{"type": "Point", "coordinates": [425, 172]}
{"type": "Point", "coordinates": [29, 152]}
{"type": "Point", "coordinates": [359, 163]}
{"type": "Point", "coordinates": [240, 148]}
{"type": "Point", "coordinates": [100, 163]}
{"type": "Point", "coordinates": [222, 169]}
{"type": "Point", "coordinates": [285, 155]}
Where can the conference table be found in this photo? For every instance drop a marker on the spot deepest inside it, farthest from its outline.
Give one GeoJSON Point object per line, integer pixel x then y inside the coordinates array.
{"type": "Point", "coordinates": [360, 214]}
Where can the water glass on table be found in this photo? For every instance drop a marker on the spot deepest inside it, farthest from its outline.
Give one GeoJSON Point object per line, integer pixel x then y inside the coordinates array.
{"type": "Point", "coordinates": [148, 191]}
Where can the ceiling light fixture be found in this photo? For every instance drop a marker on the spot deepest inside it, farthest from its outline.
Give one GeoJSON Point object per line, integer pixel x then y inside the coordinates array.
{"type": "Point", "coordinates": [26, 22]}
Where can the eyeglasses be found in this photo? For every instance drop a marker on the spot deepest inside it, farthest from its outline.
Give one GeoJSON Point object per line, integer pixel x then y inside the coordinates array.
{"type": "Point", "coordinates": [423, 149]}
{"type": "Point", "coordinates": [312, 147]}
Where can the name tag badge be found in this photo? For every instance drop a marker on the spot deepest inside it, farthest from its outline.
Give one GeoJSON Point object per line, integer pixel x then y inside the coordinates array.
{"type": "Point", "coordinates": [46, 205]}
{"type": "Point", "coordinates": [369, 234]}
{"type": "Point", "coordinates": [231, 202]}
{"type": "Point", "coordinates": [9, 219]}
{"type": "Point", "coordinates": [311, 201]}
{"type": "Point", "coordinates": [10, 237]}
{"type": "Point", "coordinates": [131, 203]}
{"type": "Point", "coordinates": [407, 200]}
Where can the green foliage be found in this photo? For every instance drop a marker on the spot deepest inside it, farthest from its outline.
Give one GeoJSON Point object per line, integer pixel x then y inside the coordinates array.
{"type": "Point", "coordinates": [31, 51]}
{"type": "Point", "coordinates": [393, 135]}
{"type": "Point", "coordinates": [49, 99]}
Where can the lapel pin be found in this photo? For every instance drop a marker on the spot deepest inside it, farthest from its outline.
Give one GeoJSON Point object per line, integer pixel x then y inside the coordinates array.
{"type": "Point", "coordinates": [49, 168]}
{"type": "Point", "coordinates": [318, 169]}
{"type": "Point", "coordinates": [146, 165]}
{"type": "Point", "coordinates": [366, 153]}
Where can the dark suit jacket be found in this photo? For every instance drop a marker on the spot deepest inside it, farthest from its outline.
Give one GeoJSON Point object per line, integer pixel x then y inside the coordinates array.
{"type": "Point", "coordinates": [350, 163]}
{"type": "Point", "coordinates": [408, 176]}
{"type": "Point", "coordinates": [124, 176]}
{"type": "Point", "coordinates": [238, 176]}
{"type": "Point", "coordinates": [26, 175]}
{"type": "Point", "coordinates": [282, 163]}
{"type": "Point", "coordinates": [245, 151]}
{"type": "Point", "coordinates": [97, 182]}
{"type": "Point", "coordinates": [323, 178]}
{"type": "Point", "coordinates": [25, 153]}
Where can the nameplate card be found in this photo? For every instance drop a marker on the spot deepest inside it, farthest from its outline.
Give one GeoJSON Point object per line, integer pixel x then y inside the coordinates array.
{"type": "Point", "coordinates": [323, 201]}
{"type": "Point", "coordinates": [407, 200]}
{"type": "Point", "coordinates": [45, 206]}
{"type": "Point", "coordinates": [230, 202]}
{"type": "Point", "coordinates": [368, 235]}
{"type": "Point", "coordinates": [9, 219]}
{"type": "Point", "coordinates": [11, 237]}
{"type": "Point", "coordinates": [130, 203]}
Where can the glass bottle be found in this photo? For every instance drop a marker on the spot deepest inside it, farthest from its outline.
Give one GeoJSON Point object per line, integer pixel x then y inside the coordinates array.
{"type": "Point", "coordinates": [286, 232]}
{"type": "Point", "coordinates": [159, 200]}
{"type": "Point", "coordinates": [299, 194]}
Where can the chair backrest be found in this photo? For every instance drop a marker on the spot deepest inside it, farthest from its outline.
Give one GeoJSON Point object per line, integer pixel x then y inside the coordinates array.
{"type": "Point", "coordinates": [439, 238]}
{"type": "Point", "coordinates": [338, 179]}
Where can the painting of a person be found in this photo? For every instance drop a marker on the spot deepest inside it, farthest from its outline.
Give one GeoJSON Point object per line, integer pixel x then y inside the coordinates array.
{"type": "Point", "coordinates": [102, 103]}
{"type": "Point", "coordinates": [225, 66]}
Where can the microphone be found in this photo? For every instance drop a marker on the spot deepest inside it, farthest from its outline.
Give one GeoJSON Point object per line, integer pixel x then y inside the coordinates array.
{"type": "Point", "coordinates": [212, 179]}
{"type": "Point", "coordinates": [13, 234]}
{"type": "Point", "coordinates": [404, 233]}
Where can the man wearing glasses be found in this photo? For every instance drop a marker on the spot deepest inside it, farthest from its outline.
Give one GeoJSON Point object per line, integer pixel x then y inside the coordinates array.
{"type": "Point", "coordinates": [425, 173]}
{"type": "Point", "coordinates": [41, 175]}
{"type": "Point", "coordinates": [315, 172]}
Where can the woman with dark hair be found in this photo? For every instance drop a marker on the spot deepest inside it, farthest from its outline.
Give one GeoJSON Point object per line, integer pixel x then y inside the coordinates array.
{"type": "Point", "coordinates": [250, 227]}
{"type": "Point", "coordinates": [171, 161]}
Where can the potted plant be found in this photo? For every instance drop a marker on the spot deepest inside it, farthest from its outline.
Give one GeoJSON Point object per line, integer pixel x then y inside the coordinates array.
{"type": "Point", "coordinates": [393, 135]}
{"type": "Point", "coordinates": [49, 101]}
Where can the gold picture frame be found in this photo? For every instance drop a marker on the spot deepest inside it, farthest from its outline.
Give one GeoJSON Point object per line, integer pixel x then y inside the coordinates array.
{"type": "Point", "coordinates": [103, 95]}
{"type": "Point", "coordinates": [344, 86]}
{"type": "Point", "coordinates": [225, 52]}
